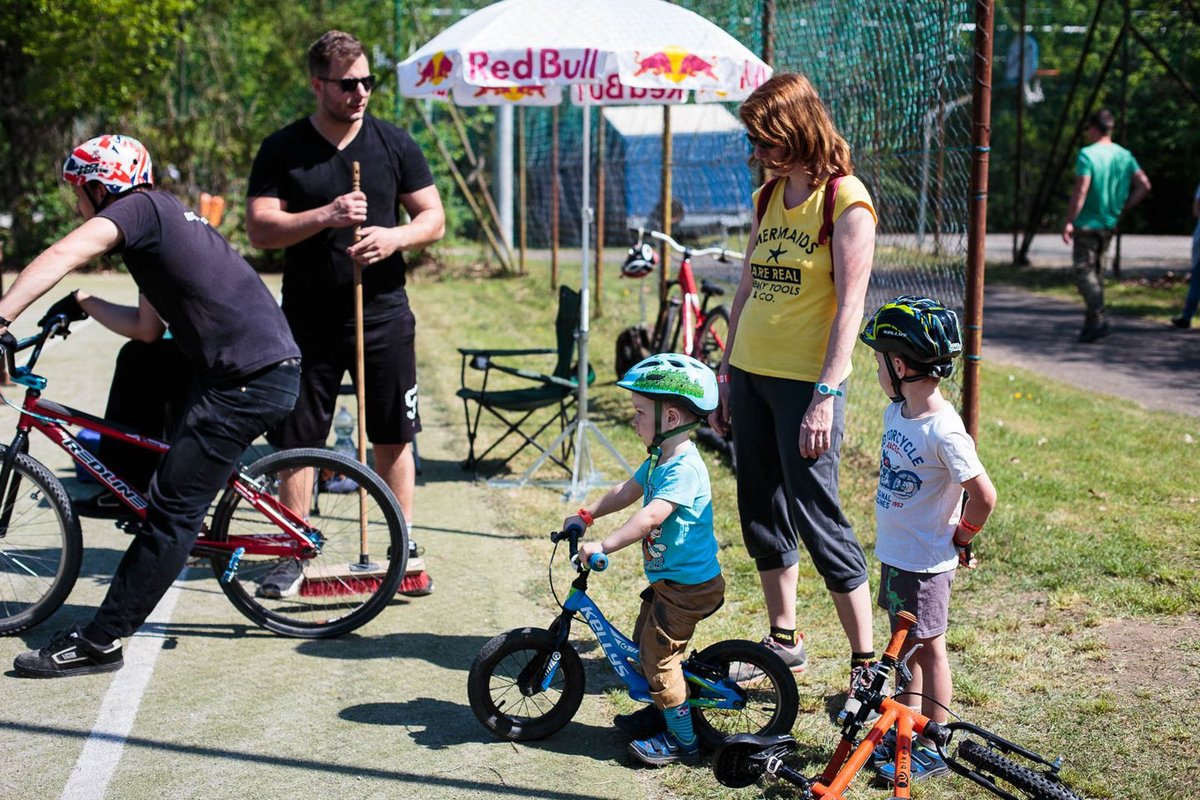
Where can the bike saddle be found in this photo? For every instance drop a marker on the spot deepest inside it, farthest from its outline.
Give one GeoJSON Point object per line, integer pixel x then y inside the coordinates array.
{"type": "Point", "coordinates": [742, 759]}
{"type": "Point", "coordinates": [711, 288]}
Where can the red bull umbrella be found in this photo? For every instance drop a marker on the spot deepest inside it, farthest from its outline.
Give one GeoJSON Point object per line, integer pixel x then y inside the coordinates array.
{"type": "Point", "coordinates": [524, 52]}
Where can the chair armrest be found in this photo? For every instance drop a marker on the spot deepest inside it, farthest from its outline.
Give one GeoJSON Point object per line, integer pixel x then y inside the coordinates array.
{"type": "Point", "coordinates": [534, 351]}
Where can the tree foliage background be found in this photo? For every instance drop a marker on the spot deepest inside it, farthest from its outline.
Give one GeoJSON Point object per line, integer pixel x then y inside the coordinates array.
{"type": "Point", "coordinates": [202, 82]}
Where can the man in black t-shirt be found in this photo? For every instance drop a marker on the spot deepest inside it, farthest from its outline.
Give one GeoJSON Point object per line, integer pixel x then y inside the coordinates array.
{"type": "Point", "coordinates": [225, 322]}
{"type": "Point", "coordinates": [301, 198]}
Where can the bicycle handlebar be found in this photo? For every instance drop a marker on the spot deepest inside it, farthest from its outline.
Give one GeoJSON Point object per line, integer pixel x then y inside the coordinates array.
{"type": "Point", "coordinates": [54, 326]}
{"type": "Point", "coordinates": [598, 561]}
{"type": "Point", "coordinates": [721, 253]}
{"type": "Point", "coordinates": [904, 621]}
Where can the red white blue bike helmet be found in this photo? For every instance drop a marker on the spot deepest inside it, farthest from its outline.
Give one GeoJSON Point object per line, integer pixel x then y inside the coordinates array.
{"type": "Point", "coordinates": [119, 163]}
{"type": "Point", "coordinates": [640, 261]}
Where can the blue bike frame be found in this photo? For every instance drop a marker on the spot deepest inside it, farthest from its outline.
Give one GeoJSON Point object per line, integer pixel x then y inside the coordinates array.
{"type": "Point", "coordinates": [623, 655]}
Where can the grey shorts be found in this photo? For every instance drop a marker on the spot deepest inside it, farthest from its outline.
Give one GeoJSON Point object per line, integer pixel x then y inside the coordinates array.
{"type": "Point", "coordinates": [783, 498]}
{"type": "Point", "coordinates": [925, 595]}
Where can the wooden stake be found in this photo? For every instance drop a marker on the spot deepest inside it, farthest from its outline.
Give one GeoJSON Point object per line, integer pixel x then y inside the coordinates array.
{"type": "Point", "coordinates": [364, 556]}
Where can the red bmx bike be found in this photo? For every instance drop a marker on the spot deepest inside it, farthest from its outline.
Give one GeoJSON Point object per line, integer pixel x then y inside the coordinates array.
{"type": "Point", "coordinates": [352, 546]}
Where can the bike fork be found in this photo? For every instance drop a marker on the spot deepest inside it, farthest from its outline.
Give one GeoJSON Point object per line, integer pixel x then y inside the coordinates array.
{"type": "Point", "coordinates": [536, 676]}
{"type": "Point", "coordinates": [10, 482]}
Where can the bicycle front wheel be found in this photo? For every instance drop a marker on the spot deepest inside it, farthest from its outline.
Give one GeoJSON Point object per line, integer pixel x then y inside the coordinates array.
{"type": "Point", "coordinates": [500, 677]}
{"type": "Point", "coordinates": [1038, 786]}
{"type": "Point", "coordinates": [710, 341]}
{"type": "Point", "coordinates": [40, 549]}
{"type": "Point", "coordinates": [768, 690]}
{"type": "Point", "coordinates": [330, 594]}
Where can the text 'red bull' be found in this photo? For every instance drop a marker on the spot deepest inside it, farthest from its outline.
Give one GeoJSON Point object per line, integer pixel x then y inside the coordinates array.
{"type": "Point", "coordinates": [613, 91]}
{"type": "Point", "coordinates": [537, 66]}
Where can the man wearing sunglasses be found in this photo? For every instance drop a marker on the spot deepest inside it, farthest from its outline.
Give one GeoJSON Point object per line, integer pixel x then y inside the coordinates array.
{"type": "Point", "coordinates": [301, 198]}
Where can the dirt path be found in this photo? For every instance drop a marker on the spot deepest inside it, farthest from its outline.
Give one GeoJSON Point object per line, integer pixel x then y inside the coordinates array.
{"type": "Point", "coordinates": [1152, 364]}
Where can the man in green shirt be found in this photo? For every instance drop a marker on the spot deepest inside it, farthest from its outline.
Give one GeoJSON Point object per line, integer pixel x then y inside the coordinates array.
{"type": "Point", "coordinates": [1108, 181]}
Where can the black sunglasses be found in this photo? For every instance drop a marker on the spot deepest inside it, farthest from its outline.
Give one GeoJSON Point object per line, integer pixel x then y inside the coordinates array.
{"type": "Point", "coordinates": [350, 84]}
{"type": "Point", "coordinates": [759, 143]}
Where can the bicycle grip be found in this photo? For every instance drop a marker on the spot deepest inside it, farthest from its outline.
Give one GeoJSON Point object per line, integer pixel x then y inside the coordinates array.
{"type": "Point", "coordinates": [598, 562]}
{"type": "Point", "coordinates": [904, 621]}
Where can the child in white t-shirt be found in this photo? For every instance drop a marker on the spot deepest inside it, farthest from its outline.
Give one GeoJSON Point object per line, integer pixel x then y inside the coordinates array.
{"type": "Point", "coordinates": [923, 527]}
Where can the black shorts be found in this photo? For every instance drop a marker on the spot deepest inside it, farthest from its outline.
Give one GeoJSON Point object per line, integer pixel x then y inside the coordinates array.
{"type": "Point", "coordinates": [391, 381]}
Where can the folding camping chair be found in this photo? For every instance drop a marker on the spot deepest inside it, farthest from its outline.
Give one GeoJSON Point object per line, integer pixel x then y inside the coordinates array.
{"type": "Point", "coordinates": [516, 408]}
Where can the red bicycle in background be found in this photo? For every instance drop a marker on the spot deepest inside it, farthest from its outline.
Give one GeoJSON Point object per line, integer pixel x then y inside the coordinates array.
{"type": "Point", "coordinates": [685, 323]}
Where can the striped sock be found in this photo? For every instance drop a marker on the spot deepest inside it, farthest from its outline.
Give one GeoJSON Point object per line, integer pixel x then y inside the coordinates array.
{"type": "Point", "coordinates": [679, 723]}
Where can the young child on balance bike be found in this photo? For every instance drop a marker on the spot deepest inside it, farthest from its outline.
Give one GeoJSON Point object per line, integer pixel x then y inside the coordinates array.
{"type": "Point", "coordinates": [672, 393]}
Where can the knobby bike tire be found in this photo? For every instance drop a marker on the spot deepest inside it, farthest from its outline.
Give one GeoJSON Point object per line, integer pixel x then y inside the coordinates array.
{"type": "Point", "coordinates": [712, 338]}
{"type": "Point", "coordinates": [771, 697]}
{"type": "Point", "coordinates": [40, 551]}
{"type": "Point", "coordinates": [496, 697]}
{"type": "Point", "coordinates": [331, 598]}
{"type": "Point", "coordinates": [1035, 784]}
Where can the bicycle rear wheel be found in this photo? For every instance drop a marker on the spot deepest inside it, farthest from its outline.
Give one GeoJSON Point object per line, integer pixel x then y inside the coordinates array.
{"type": "Point", "coordinates": [769, 696]}
{"type": "Point", "coordinates": [332, 597]}
{"type": "Point", "coordinates": [993, 766]}
{"type": "Point", "coordinates": [670, 316]}
{"type": "Point", "coordinates": [710, 341]}
{"type": "Point", "coordinates": [40, 549]}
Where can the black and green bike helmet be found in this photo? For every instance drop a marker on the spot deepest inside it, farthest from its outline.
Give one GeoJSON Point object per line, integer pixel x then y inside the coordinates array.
{"type": "Point", "coordinates": [922, 330]}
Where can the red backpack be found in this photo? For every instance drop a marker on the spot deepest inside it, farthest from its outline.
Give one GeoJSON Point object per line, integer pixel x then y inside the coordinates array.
{"type": "Point", "coordinates": [826, 232]}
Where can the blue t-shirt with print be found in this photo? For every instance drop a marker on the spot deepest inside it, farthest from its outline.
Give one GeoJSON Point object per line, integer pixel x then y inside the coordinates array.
{"type": "Point", "coordinates": [684, 549]}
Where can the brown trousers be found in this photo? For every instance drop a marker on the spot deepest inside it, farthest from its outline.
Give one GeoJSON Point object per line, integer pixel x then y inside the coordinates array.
{"type": "Point", "coordinates": [664, 627]}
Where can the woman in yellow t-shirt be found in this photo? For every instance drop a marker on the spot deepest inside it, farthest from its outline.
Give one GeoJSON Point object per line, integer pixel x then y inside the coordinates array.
{"type": "Point", "coordinates": [794, 321]}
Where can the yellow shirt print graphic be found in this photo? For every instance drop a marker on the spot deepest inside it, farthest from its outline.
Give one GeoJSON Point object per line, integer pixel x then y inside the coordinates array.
{"type": "Point", "coordinates": [784, 328]}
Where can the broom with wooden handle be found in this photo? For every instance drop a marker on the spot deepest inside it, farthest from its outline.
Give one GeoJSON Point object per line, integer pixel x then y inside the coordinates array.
{"type": "Point", "coordinates": [363, 576]}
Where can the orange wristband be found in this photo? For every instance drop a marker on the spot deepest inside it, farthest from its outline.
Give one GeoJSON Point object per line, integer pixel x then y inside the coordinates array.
{"type": "Point", "coordinates": [586, 516]}
{"type": "Point", "coordinates": [968, 527]}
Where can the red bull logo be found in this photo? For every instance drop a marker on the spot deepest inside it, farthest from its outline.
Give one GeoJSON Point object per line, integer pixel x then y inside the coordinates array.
{"type": "Point", "coordinates": [513, 94]}
{"type": "Point", "coordinates": [675, 64]}
{"type": "Point", "coordinates": [435, 70]}
{"type": "Point", "coordinates": [539, 66]}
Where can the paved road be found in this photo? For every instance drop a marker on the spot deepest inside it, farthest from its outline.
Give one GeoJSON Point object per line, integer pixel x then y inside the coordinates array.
{"type": "Point", "coordinates": [1139, 254]}
{"type": "Point", "coordinates": [1154, 365]}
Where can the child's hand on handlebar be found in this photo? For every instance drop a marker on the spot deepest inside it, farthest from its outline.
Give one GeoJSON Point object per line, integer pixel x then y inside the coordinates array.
{"type": "Point", "coordinates": [574, 521]}
{"type": "Point", "coordinates": [587, 550]}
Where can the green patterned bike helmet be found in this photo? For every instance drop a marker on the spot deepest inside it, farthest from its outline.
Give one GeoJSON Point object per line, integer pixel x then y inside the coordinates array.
{"type": "Point", "coordinates": [922, 330]}
{"type": "Point", "coordinates": [676, 376]}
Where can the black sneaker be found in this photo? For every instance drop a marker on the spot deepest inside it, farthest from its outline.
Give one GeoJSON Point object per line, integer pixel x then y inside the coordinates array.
{"type": "Point", "coordinates": [1182, 322]}
{"type": "Point", "coordinates": [102, 505]}
{"type": "Point", "coordinates": [69, 654]}
{"type": "Point", "coordinates": [282, 581]}
{"type": "Point", "coordinates": [641, 724]}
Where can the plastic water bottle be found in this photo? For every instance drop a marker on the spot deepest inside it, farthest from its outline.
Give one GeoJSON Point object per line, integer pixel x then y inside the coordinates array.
{"type": "Point", "coordinates": [343, 431]}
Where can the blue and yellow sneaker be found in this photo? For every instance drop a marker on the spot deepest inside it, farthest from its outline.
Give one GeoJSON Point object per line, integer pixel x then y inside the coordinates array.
{"type": "Point", "coordinates": [662, 749]}
{"type": "Point", "coordinates": [926, 763]}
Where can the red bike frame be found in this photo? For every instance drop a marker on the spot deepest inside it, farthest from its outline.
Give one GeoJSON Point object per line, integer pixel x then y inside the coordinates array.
{"type": "Point", "coordinates": [694, 313]}
{"type": "Point", "coordinates": [49, 418]}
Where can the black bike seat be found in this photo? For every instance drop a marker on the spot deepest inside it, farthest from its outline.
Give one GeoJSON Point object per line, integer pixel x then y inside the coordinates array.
{"type": "Point", "coordinates": [711, 288]}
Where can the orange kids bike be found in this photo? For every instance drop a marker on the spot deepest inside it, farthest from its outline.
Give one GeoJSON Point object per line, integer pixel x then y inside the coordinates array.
{"type": "Point", "coordinates": [743, 759]}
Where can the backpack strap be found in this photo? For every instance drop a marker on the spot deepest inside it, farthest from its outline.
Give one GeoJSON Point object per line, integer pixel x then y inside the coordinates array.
{"type": "Point", "coordinates": [764, 198]}
{"type": "Point", "coordinates": [831, 187]}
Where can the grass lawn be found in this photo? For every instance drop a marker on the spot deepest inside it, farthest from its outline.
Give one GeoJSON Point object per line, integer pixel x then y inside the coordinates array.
{"type": "Point", "coordinates": [1078, 635]}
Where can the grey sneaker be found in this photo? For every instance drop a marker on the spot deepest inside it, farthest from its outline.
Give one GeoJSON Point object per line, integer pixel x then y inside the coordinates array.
{"type": "Point", "coordinates": [283, 581]}
{"type": "Point", "coordinates": [795, 657]}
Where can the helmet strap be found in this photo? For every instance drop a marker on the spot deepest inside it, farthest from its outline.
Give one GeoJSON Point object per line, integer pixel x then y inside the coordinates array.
{"type": "Point", "coordinates": [898, 396]}
{"type": "Point", "coordinates": [660, 436]}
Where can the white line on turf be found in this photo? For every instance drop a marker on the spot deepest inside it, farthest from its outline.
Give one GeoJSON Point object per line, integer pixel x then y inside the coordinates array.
{"type": "Point", "coordinates": [102, 750]}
